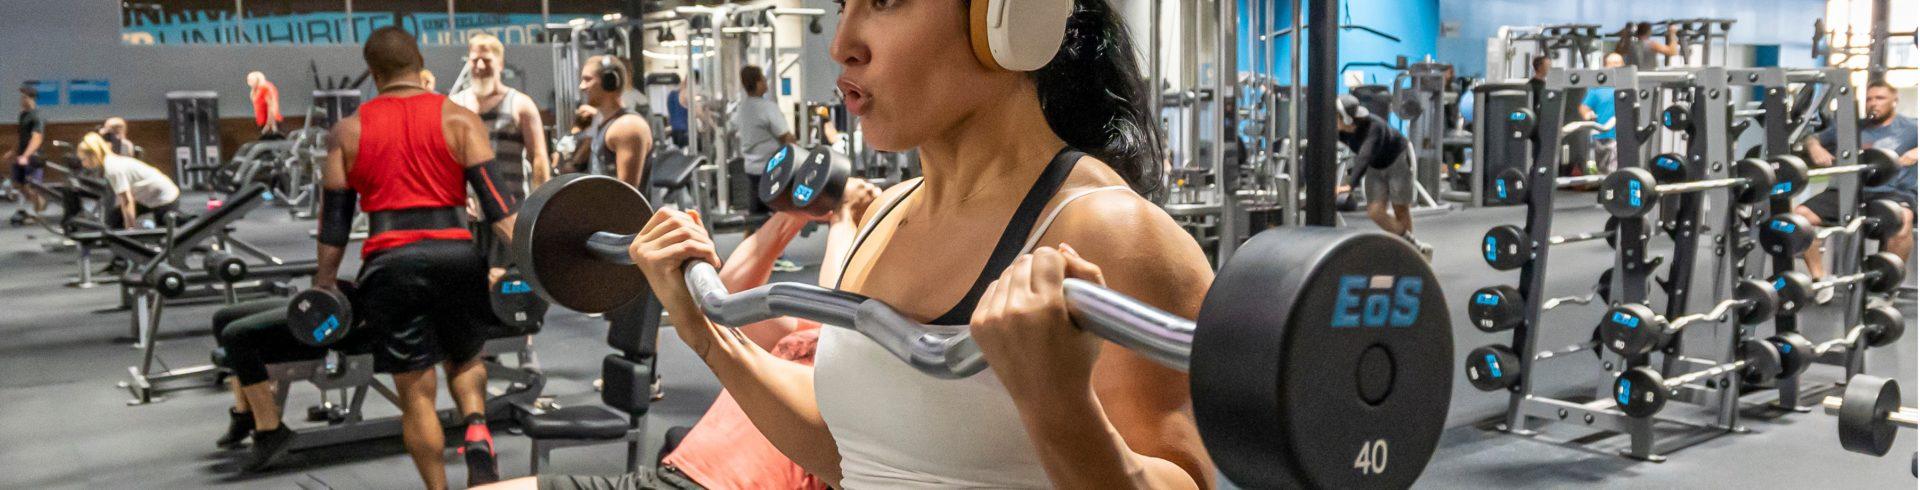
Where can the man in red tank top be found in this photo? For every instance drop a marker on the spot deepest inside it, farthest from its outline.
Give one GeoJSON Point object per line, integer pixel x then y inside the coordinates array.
{"type": "Point", "coordinates": [407, 158]}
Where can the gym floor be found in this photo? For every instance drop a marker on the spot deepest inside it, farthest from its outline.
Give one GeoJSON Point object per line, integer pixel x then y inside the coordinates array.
{"type": "Point", "coordinates": [68, 426]}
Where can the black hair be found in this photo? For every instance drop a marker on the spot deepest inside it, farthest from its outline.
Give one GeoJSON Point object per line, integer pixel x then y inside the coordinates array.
{"type": "Point", "coordinates": [750, 77]}
{"type": "Point", "coordinates": [391, 51]}
{"type": "Point", "coordinates": [1643, 29]}
{"type": "Point", "coordinates": [1096, 99]}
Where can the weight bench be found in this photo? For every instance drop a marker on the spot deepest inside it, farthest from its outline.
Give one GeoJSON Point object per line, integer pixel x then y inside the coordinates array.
{"type": "Point", "coordinates": [673, 179]}
{"type": "Point", "coordinates": [350, 372]}
{"type": "Point", "coordinates": [144, 382]}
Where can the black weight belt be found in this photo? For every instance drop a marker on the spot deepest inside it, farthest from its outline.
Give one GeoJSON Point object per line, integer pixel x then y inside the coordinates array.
{"type": "Point", "coordinates": [416, 219]}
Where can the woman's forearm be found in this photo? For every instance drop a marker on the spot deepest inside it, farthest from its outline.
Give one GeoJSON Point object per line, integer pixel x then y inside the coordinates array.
{"type": "Point", "coordinates": [751, 264]}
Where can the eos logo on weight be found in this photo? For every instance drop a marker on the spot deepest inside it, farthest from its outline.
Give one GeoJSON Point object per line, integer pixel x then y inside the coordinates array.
{"type": "Point", "coordinates": [1377, 301]}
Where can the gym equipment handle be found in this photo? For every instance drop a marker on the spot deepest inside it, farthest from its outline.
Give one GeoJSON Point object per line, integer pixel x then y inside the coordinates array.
{"type": "Point", "coordinates": [1840, 169]}
{"type": "Point", "coordinates": [611, 247]}
{"type": "Point", "coordinates": [1681, 380]}
{"type": "Point", "coordinates": [1905, 417]}
{"type": "Point", "coordinates": [1719, 312]}
{"type": "Point", "coordinates": [942, 351]}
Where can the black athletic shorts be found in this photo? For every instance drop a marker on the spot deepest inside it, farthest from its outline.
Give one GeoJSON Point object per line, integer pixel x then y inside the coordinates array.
{"type": "Point", "coordinates": [1827, 204]}
{"type": "Point", "coordinates": [424, 303]}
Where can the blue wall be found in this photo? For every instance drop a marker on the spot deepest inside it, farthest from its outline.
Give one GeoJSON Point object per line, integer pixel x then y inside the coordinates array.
{"type": "Point", "coordinates": [1786, 23]}
{"type": "Point", "coordinates": [1415, 22]}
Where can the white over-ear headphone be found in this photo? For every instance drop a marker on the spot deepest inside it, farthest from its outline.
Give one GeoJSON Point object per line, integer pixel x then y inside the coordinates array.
{"type": "Point", "coordinates": [1018, 35]}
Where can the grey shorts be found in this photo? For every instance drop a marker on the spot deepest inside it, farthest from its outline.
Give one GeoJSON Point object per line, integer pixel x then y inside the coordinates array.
{"type": "Point", "coordinates": [1394, 183]}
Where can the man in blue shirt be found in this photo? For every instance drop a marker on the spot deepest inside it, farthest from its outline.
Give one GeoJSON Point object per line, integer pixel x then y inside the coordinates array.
{"type": "Point", "coordinates": [677, 101]}
{"type": "Point", "coordinates": [1881, 128]}
{"type": "Point", "coordinates": [1598, 107]}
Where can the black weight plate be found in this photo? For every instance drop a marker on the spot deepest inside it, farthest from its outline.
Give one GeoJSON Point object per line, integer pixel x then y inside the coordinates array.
{"type": "Point", "coordinates": [1886, 166]}
{"type": "Point", "coordinates": [1885, 325]}
{"type": "Point", "coordinates": [818, 182]}
{"type": "Point", "coordinates": [1677, 117]}
{"type": "Point", "coordinates": [1764, 363]}
{"type": "Point", "coordinates": [1520, 123]}
{"type": "Point", "coordinates": [1864, 407]}
{"type": "Point", "coordinates": [1317, 348]}
{"type": "Point", "coordinates": [1509, 186]}
{"type": "Point", "coordinates": [1668, 168]}
{"type": "Point", "coordinates": [1493, 367]}
{"type": "Point", "coordinates": [1796, 353]}
{"type": "Point", "coordinates": [1882, 219]}
{"type": "Point", "coordinates": [1885, 270]}
{"type": "Point", "coordinates": [1786, 234]}
{"type": "Point", "coordinates": [1632, 330]}
{"type": "Point", "coordinates": [1759, 177]}
{"type": "Point", "coordinates": [1789, 176]}
{"type": "Point", "coordinates": [1506, 247]}
{"type": "Point", "coordinates": [776, 184]}
{"type": "Point", "coordinates": [550, 239]}
{"type": "Point", "coordinates": [1794, 289]}
{"type": "Point", "coordinates": [1495, 309]}
{"type": "Point", "coordinates": [1764, 300]}
{"type": "Point", "coordinates": [1613, 230]}
{"type": "Point", "coordinates": [1639, 392]}
{"type": "Point", "coordinates": [320, 317]}
{"type": "Point", "coordinates": [1628, 192]}
{"type": "Point", "coordinates": [1604, 287]}
{"type": "Point", "coordinates": [514, 302]}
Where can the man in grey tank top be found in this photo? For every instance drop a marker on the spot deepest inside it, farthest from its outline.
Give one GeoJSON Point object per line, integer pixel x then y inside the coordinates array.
{"type": "Point", "coordinates": [512, 118]}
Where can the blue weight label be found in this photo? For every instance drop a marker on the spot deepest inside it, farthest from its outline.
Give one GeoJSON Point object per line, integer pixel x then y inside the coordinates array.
{"type": "Point", "coordinates": [1493, 365]}
{"type": "Point", "coordinates": [326, 328]}
{"type": "Point", "coordinates": [1626, 386]}
{"type": "Point", "coordinates": [1782, 226]}
{"type": "Point", "coordinates": [1779, 283]}
{"type": "Point", "coordinates": [1377, 301]}
{"type": "Point", "coordinates": [1667, 118]}
{"type": "Point", "coordinates": [1667, 163]}
{"type": "Point", "coordinates": [1500, 187]}
{"type": "Point", "coordinates": [1625, 320]}
{"type": "Point", "coordinates": [802, 193]}
{"type": "Point", "coordinates": [1786, 348]}
{"type": "Point", "coordinates": [1517, 116]}
{"type": "Point", "coordinates": [1488, 299]}
{"type": "Point", "coordinates": [515, 287]}
{"type": "Point", "coordinates": [1783, 188]}
{"type": "Point", "coordinates": [777, 159]}
{"type": "Point", "coordinates": [1490, 248]}
{"type": "Point", "coordinates": [1633, 193]}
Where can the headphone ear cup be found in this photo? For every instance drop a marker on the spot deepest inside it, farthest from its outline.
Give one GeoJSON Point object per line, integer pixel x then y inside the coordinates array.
{"type": "Point", "coordinates": [610, 80]}
{"type": "Point", "coordinates": [1018, 35]}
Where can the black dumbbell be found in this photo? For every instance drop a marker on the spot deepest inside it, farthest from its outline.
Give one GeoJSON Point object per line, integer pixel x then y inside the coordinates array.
{"type": "Point", "coordinates": [1493, 367]}
{"type": "Point", "coordinates": [1520, 123]}
{"type": "Point", "coordinates": [1506, 247]}
{"type": "Point", "coordinates": [1881, 272]}
{"type": "Point", "coordinates": [1495, 308]}
{"type": "Point", "coordinates": [1870, 414]}
{"type": "Point", "coordinates": [805, 182]}
{"type": "Point", "coordinates": [1633, 329]}
{"type": "Point", "coordinates": [1508, 186]}
{"type": "Point", "coordinates": [1641, 392]}
{"type": "Point", "coordinates": [514, 303]}
{"type": "Point", "coordinates": [1796, 353]}
{"type": "Point", "coordinates": [1790, 176]}
{"type": "Point", "coordinates": [1668, 168]}
{"type": "Point", "coordinates": [321, 317]}
{"type": "Point", "coordinates": [1632, 192]}
{"type": "Point", "coordinates": [1677, 117]}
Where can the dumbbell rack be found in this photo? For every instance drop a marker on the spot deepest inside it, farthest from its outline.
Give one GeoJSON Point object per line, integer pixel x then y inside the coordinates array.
{"type": "Point", "coordinates": [1781, 133]}
{"type": "Point", "coordinates": [1708, 149]}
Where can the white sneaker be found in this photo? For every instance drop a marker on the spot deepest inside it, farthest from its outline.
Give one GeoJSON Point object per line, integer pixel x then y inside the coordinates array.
{"type": "Point", "coordinates": [1823, 297]}
{"type": "Point", "coordinates": [784, 265]}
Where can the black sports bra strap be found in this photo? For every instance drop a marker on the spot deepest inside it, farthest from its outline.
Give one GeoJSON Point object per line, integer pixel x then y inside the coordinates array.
{"type": "Point", "coordinates": [1014, 238]}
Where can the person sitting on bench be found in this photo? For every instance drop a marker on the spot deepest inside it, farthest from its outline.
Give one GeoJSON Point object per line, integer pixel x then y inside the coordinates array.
{"type": "Point", "coordinates": [138, 188]}
{"type": "Point", "coordinates": [253, 335]}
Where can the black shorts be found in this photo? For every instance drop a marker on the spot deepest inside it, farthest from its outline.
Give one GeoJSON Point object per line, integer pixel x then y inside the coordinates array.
{"type": "Point", "coordinates": [424, 303]}
{"type": "Point", "coordinates": [1827, 204]}
{"type": "Point", "coordinates": [29, 173]}
{"type": "Point", "coordinates": [755, 207]}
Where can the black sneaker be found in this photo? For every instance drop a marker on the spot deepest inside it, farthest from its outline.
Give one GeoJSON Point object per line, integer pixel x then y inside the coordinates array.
{"type": "Point", "coordinates": [238, 429]}
{"type": "Point", "coordinates": [269, 446]}
{"type": "Point", "coordinates": [482, 466]}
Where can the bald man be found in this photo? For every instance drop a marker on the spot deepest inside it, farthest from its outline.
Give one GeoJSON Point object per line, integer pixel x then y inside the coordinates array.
{"type": "Point", "coordinates": [407, 157]}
